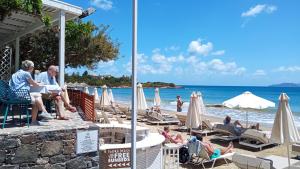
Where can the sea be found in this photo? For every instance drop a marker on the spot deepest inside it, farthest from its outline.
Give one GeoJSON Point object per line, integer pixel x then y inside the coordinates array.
{"type": "Point", "coordinates": [215, 95]}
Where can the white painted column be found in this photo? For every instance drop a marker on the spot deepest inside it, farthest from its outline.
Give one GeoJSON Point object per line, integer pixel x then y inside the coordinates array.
{"type": "Point", "coordinates": [17, 54]}
{"type": "Point", "coordinates": [62, 25]}
{"type": "Point", "coordinates": [134, 85]}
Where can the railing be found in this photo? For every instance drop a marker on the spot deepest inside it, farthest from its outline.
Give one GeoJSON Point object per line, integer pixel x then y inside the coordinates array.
{"type": "Point", "coordinates": [85, 101]}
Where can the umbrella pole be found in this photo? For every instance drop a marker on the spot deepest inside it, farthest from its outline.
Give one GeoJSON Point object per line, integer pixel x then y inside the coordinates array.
{"type": "Point", "coordinates": [288, 152]}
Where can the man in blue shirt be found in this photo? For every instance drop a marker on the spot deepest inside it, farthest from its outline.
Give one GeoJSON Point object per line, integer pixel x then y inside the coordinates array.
{"type": "Point", "coordinates": [22, 80]}
{"type": "Point", "coordinates": [49, 78]}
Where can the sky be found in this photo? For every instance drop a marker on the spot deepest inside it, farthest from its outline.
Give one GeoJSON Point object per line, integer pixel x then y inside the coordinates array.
{"type": "Point", "coordinates": [203, 42]}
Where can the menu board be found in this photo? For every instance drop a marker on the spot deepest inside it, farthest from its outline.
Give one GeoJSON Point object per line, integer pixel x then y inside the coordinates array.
{"type": "Point", "coordinates": [87, 141]}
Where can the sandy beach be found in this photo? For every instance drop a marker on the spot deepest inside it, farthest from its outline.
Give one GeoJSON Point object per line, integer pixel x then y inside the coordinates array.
{"type": "Point", "coordinates": [220, 164]}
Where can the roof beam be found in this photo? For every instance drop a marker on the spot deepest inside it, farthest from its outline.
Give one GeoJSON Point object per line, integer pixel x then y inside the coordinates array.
{"type": "Point", "coordinates": [68, 8]}
{"type": "Point", "coordinates": [11, 27]}
{"type": "Point", "coordinates": [14, 22]}
{"type": "Point", "coordinates": [24, 16]}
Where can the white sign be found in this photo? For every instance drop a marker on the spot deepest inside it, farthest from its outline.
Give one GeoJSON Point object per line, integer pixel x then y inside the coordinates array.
{"type": "Point", "coordinates": [87, 141]}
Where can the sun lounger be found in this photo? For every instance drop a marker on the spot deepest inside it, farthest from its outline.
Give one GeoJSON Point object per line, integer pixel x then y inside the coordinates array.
{"type": "Point", "coordinates": [226, 133]}
{"type": "Point", "coordinates": [207, 128]}
{"type": "Point", "coordinates": [203, 158]}
{"type": "Point", "coordinates": [156, 118]}
{"type": "Point", "coordinates": [243, 161]}
{"type": "Point", "coordinates": [181, 117]}
{"type": "Point", "coordinates": [255, 139]}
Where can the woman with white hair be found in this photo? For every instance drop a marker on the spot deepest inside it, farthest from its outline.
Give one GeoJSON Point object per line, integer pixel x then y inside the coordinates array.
{"type": "Point", "coordinates": [22, 80]}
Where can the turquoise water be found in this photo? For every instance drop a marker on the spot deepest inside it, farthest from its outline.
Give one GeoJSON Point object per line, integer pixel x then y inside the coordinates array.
{"type": "Point", "coordinates": [218, 94]}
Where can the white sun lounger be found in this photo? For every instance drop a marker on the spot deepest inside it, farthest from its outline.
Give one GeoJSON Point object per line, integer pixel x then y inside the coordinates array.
{"type": "Point", "coordinates": [203, 158]}
{"type": "Point", "coordinates": [255, 139]}
{"type": "Point", "coordinates": [244, 161]}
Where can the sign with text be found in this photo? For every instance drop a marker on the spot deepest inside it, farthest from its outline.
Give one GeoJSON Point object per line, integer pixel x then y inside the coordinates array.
{"type": "Point", "coordinates": [116, 158]}
{"type": "Point", "coordinates": [87, 141]}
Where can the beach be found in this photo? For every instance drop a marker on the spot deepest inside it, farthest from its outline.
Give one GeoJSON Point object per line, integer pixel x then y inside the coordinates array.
{"type": "Point", "coordinates": [220, 164]}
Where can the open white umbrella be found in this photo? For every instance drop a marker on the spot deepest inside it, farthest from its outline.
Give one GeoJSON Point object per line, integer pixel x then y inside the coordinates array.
{"type": "Point", "coordinates": [86, 90]}
{"type": "Point", "coordinates": [111, 97]}
{"type": "Point", "coordinates": [247, 100]}
{"type": "Point", "coordinates": [284, 130]}
{"type": "Point", "coordinates": [141, 100]}
{"type": "Point", "coordinates": [156, 98]}
{"type": "Point", "coordinates": [104, 99]}
{"type": "Point", "coordinates": [193, 119]}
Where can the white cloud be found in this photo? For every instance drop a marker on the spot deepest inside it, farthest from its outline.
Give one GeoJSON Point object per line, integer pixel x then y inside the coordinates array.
{"type": "Point", "coordinates": [197, 47]}
{"type": "Point", "coordinates": [259, 72]}
{"type": "Point", "coordinates": [218, 53]}
{"type": "Point", "coordinates": [254, 11]}
{"type": "Point", "coordinates": [102, 4]}
{"type": "Point", "coordinates": [288, 69]}
{"type": "Point", "coordinates": [172, 48]}
{"type": "Point", "coordinates": [218, 66]}
{"type": "Point", "coordinates": [156, 50]}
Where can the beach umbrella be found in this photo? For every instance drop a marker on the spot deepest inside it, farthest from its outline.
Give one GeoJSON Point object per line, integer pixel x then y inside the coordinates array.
{"type": "Point", "coordinates": [156, 98]}
{"type": "Point", "coordinates": [96, 98]}
{"type": "Point", "coordinates": [193, 119]}
{"type": "Point", "coordinates": [284, 130]}
{"type": "Point", "coordinates": [141, 100]}
{"type": "Point", "coordinates": [104, 99]}
{"type": "Point", "coordinates": [111, 97]}
{"type": "Point", "coordinates": [86, 90]}
{"type": "Point", "coordinates": [201, 103]}
{"type": "Point", "coordinates": [247, 100]}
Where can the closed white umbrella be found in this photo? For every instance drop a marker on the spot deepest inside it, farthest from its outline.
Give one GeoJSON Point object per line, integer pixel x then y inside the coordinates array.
{"type": "Point", "coordinates": [141, 100]}
{"type": "Point", "coordinates": [111, 97]}
{"type": "Point", "coordinates": [86, 90]}
{"type": "Point", "coordinates": [193, 119]}
{"type": "Point", "coordinates": [96, 96]}
{"type": "Point", "coordinates": [156, 98]}
{"type": "Point", "coordinates": [284, 130]}
{"type": "Point", "coordinates": [247, 100]}
{"type": "Point", "coordinates": [201, 103]}
{"type": "Point", "coordinates": [104, 99]}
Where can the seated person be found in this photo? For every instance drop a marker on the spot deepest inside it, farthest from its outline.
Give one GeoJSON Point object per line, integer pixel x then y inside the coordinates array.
{"type": "Point", "coordinates": [216, 152]}
{"type": "Point", "coordinates": [177, 139]}
{"type": "Point", "coordinates": [227, 121]}
{"type": "Point", "coordinates": [22, 80]}
{"type": "Point", "coordinates": [48, 78]}
{"type": "Point", "coordinates": [237, 123]}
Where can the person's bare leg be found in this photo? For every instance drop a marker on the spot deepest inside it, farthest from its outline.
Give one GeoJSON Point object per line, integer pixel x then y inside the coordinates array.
{"type": "Point", "coordinates": [238, 123]}
{"type": "Point", "coordinates": [34, 112]}
{"type": "Point", "coordinates": [227, 149]}
{"type": "Point", "coordinates": [40, 105]}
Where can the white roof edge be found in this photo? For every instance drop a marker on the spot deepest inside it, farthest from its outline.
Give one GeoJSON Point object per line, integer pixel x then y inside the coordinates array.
{"type": "Point", "coordinates": [69, 8]}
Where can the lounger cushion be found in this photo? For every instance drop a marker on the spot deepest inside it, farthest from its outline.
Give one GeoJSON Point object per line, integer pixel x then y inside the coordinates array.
{"type": "Point", "coordinates": [227, 129]}
{"type": "Point", "coordinates": [250, 162]}
{"type": "Point", "coordinates": [296, 147]}
{"type": "Point", "coordinates": [256, 135]}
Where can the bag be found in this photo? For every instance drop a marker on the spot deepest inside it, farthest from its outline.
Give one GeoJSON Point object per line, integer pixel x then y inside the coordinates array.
{"type": "Point", "coordinates": [184, 154]}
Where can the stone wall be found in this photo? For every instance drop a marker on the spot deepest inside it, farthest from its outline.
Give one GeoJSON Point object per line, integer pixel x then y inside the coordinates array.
{"type": "Point", "coordinates": [44, 150]}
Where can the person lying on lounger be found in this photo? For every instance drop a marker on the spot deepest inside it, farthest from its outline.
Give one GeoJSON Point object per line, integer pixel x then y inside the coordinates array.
{"type": "Point", "coordinates": [216, 152]}
{"type": "Point", "coordinates": [177, 139]}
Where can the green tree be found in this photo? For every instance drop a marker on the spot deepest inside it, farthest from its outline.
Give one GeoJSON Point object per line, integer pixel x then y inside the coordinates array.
{"type": "Point", "coordinates": [86, 44]}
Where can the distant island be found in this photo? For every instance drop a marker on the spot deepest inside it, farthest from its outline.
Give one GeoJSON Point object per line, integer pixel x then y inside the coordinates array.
{"type": "Point", "coordinates": [111, 81]}
{"type": "Point", "coordinates": [285, 85]}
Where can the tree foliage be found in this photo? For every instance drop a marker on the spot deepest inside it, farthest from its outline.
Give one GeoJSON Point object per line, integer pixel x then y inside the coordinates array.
{"type": "Point", "coordinates": [85, 45]}
{"type": "Point", "coordinates": [30, 6]}
{"type": "Point", "coordinates": [110, 81]}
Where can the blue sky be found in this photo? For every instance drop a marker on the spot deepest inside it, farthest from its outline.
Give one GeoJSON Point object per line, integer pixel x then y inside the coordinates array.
{"type": "Point", "coordinates": [204, 42]}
